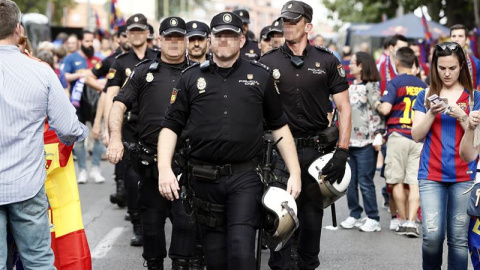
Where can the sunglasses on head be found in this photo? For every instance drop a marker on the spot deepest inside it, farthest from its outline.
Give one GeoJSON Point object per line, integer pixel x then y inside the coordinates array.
{"type": "Point", "coordinates": [451, 46]}
{"type": "Point", "coordinates": [22, 40]}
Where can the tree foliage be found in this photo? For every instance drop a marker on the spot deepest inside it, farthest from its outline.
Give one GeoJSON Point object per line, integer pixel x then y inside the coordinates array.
{"type": "Point", "coordinates": [40, 6]}
{"type": "Point", "coordinates": [175, 7]}
{"type": "Point", "coordinates": [458, 11]}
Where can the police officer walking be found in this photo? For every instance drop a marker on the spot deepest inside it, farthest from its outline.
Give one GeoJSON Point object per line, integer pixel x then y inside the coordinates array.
{"type": "Point", "coordinates": [306, 76]}
{"type": "Point", "coordinates": [197, 48]}
{"type": "Point", "coordinates": [250, 49]}
{"type": "Point", "coordinates": [137, 32]}
{"type": "Point", "coordinates": [224, 101]}
{"type": "Point", "coordinates": [150, 86]}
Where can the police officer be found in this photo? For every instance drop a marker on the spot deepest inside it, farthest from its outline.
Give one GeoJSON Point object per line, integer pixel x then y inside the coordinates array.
{"type": "Point", "coordinates": [306, 76]}
{"type": "Point", "coordinates": [137, 32]}
{"type": "Point", "coordinates": [264, 43]}
{"type": "Point", "coordinates": [275, 33]}
{"type": "Point", "coordinates": [224, 101]}
{"type": "Point", "coordinates": [197, 33]}
{"type": "Point", "coordinates": [150, 85]}
{"type": "Point", "coordinates": [250, 49]}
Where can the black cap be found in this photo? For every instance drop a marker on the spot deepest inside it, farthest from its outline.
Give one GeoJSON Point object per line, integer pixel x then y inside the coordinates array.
{"type": "Point", "coordinates": [226, 21]}
{"type": "Point", "coordinates": [122, 30]}
{"type": "Point", "coordinates": [276, 27]}
{"type": "Point", "coordinates": [294, 10]}
{"type": "Point", "coordinates": [264, 32]}
{"type": "Point", "coordinates": [196, 28]}
{"type": "Point", "coordinates": [151, 35]}
{"type": "Point", "coordinates": [137, 21]}
{"type": "Point", "coordinates": [173, 25]}
{"type": "Point", "coordinates": [243, 14]}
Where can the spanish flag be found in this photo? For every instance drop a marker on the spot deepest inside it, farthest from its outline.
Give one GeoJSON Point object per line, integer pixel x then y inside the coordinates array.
{"type": "Point", "coordinates": [69, 242]}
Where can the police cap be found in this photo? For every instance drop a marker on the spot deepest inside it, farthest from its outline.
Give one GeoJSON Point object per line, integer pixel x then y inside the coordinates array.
{"type": "Point", "coordinates": [294, 10]}
{"type": "Point", "coordinates": [243, 14]}
{"type": "Point", "coordinates": [122, 30]}
{"type": "Point", "coordinates": [173, 25]}
{"type": "Point", "coordinates": [196, 28]}
{"type": "Point", "coordinates": [226, 21]}
{"type": "Point", "coordinates": [276, 27]}
{"type": "Point", "coordinates": [151, 35]}
{"type": "Point", "coordinates": [137, 21]}
{"type": "Point", "coordinates": [264, 32]}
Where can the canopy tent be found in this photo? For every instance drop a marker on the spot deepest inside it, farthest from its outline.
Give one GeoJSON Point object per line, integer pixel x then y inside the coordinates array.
{"type": "Point", "coordinates": [408, 25]}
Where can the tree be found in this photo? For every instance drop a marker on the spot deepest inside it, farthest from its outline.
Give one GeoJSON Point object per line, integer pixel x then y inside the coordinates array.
{"type": "Point", "coordinates": [176, 7]}
{"type": "Point", "coordinates": [458, 11]}
{"type": "Point", "coordinates": [40, 6]}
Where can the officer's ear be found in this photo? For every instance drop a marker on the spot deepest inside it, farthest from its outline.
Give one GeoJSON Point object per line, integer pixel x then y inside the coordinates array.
{"type": "Point", "coordinates": [242, 40]}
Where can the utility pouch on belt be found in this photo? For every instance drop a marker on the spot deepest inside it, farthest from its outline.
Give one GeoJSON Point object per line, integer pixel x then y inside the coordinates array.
{"type": "Point", "coordinates": [206, 174]}
{"type": "Point", "coordinates": [328, 136]}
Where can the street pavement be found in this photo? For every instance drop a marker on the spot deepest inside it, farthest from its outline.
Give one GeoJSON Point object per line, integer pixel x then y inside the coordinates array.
{"type": "Point", "coordinates": [109, 236]}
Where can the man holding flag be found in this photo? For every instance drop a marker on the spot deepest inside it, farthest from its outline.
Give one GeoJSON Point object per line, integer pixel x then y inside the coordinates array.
{"type": "Point", "coordinates": [25, 101]}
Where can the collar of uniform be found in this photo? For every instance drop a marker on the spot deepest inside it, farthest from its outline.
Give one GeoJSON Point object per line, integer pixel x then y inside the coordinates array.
{"type": "Point", "coordinates": [9, 48]}
{"type": "Point", "coordinates": [180, 66]}
{"type": "Point", "coordinates": [235, 65]}
{"type": "Point", "coordinates": [287, 50]}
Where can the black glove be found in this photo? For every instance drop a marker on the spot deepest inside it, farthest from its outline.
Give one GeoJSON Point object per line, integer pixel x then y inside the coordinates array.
{"type": "Point", "coordinates": [334, 170]}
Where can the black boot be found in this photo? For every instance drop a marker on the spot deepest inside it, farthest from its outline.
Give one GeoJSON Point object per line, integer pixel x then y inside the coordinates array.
{"type": "Point", "coordinates": [137, 239]}
{"type": "Point", "coordinates": [179, 264]}
{"type": "Point", "coordinates": [198, 260]}
{"type": "Point", "coordinates": [153, 264]}
{"type": "Point", "coordinates": [119, 198]}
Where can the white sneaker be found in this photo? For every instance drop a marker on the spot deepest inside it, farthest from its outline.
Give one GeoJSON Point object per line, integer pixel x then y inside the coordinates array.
{"type": "Point", "coordinates": [96, 175]}
{"type": "Point", "coordinates": [394, 223]}
{"type": "Point", "coordinates": [370, 225]}
{"type": "Point", "coordinates": [352, 222]}
{"type": "Point", "coordinates": [82, 177]}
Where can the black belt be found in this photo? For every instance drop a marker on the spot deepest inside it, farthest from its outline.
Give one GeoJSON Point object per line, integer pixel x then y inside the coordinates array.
{"type": "Point", "coordinates": [227, 169]}
{"type": "Point", "coordinates": [306, 142]}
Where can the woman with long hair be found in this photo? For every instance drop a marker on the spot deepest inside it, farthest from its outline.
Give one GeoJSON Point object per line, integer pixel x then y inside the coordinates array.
{"type": "Point", "coordinates": [443, 175]}
{"type": "Point", "coordinates": [366, 124]}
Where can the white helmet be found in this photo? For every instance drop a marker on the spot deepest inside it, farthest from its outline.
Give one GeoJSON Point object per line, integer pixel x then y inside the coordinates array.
{"type": "Point", "coordinates": [281, 217]}
{"type": "Point", "coordinates": [330, 192]}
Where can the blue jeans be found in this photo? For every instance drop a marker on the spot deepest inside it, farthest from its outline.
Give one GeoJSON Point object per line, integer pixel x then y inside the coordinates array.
{"type": "Point", "coordinates": [363, 162]}
{"type": "Point", "coordinates": [29, 224]}
{"type": "Point", "coordinates": [444, 207]}
{"type": "Point", "coordinates": [79, 149]}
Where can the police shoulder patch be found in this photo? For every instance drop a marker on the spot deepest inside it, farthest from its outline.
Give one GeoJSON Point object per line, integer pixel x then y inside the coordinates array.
{"type": "Point", "coordinates": [323, 49]}
{"type": "Point", "coordinates": [191, 66]}
{"type": "Point", "coordinates": [255, 62]}
{"type": "Point", "coordinates": [121, 55]}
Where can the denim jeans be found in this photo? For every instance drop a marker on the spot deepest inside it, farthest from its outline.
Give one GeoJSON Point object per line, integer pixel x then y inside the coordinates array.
{"type": "Point", "coordinates": [363, 161]}
{"type": "Point", "coordinates": [444, 208]}
{"type": "Point", "coordinates": [79, 149]}
{"type": "Point", "coordinates": [29, 224]}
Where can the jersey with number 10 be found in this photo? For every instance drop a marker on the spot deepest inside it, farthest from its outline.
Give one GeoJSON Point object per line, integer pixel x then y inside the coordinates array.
{"type": "Point", "coordinates": [402, 92]}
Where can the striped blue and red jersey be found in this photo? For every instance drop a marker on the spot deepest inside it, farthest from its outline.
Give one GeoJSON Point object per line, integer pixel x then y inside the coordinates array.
{"type": "Point", "coordinates": [440, 158]}
{"type": "Point", "coordinates": [402, 92]}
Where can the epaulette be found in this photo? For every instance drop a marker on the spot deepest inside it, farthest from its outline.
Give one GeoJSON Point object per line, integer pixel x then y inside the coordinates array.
{"type": "Point", "coordinates": [255, 62]}
{"type": "Point", "coordinates": [120, 55]}
{"type": "Point", "coordinates": [189, 67]}
{"type": "Point", "coordinates": [271, 51]}
{"type": "Point", "coordinates": [321, 48]}
{"type": "Point", "coordinates": [154, 66]}
{"type": "Point", "coordinates": [142, 62]}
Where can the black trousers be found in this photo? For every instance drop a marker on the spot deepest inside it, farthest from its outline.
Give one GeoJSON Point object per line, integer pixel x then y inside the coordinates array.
{"type": "Point", "coordinates": [154, 211]}
{"type": "Point", "coordinates": [130, 177]}
{"type": "Point", "coordinates": [231, 246]}
{"type": "Point", "coordinates": [310, 215]}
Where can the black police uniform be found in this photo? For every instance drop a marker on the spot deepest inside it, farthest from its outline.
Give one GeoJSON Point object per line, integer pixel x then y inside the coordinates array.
{"type": "Point", "coordinates": [304, 91]}
{"type": "Point", "coordinates": [250, 50]}
{"type": "Point", "coordinates": [101, 69]}
{"type": "Point", "coordinates": [225, 109]}
{"type": "Point", "coordinates": [151, 84]}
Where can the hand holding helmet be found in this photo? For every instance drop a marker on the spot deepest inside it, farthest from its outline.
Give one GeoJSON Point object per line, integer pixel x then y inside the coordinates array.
{"type": "Point", "coordinates": [334, 170]}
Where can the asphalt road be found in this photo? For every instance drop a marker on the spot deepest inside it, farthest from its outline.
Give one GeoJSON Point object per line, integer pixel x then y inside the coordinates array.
{"type": "Point", "coordinates": [109, 235]}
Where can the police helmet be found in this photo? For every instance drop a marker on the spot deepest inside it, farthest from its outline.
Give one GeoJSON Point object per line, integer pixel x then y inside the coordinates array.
{"type": "Point", "coordinates": [329, 192]}
{"type": "Point", "coordinates": [280, 217]}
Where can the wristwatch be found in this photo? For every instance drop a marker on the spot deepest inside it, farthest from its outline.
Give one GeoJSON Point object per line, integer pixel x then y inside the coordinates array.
{"type": "Point", "coordinates": [463, 118]}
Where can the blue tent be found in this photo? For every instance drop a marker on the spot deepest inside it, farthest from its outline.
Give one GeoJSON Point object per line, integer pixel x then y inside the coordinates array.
{"type": "Point", "coordinates": [408, 25]}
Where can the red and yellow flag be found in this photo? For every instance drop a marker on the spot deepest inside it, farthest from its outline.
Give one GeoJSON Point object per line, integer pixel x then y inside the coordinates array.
{"type": "Point", "coordinates": [69, 241]}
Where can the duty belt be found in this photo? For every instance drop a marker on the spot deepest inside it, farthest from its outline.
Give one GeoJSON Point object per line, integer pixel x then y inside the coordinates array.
{"type": "Point", "coordinates": [306, 142]}
{"type": "Point", "coordinates": [227, 169]}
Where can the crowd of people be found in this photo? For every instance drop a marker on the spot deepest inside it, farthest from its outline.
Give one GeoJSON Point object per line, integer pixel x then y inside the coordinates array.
{"type": "Point", "coordinates": [183, 114]}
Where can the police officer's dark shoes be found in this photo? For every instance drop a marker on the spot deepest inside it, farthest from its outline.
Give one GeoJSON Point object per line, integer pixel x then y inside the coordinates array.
{"type": "Point", "coordinates": [137, 239]}
{"type": "Point", "coordinates": [180, 264]}
{"type": "Point", "coordinates": [153, 264]}
{"type": "Point", "coordinates": [120, 197]}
